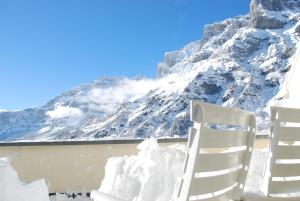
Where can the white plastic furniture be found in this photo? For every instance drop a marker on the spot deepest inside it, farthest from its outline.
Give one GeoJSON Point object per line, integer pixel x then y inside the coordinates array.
{"type": "Point", "coordinates": [283, 170]}
{"type": "Point", "coordinates": [219, 149]}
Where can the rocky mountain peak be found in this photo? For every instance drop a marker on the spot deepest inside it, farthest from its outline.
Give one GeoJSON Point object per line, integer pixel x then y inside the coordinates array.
{"type": "Point", "coordinates": [271, 5]}
{"type": "Point", "coordinates": [239, 62]}
{"type": "Point", "coordinates": [274, 5]}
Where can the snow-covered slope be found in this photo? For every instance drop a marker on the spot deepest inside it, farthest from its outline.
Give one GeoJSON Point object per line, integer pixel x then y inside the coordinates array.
{"type": "Point", "coordinates": [240, 62]}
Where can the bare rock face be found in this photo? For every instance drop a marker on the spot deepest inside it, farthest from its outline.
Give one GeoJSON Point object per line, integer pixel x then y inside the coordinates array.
{"type": "Point", "coordinates": [211, 30]}
{"type": "Point", "coordinates": [297, 29]}
{"type": "Point", "coordinates": [271, 5]}
{"type": "Point", "coordinates": [292, 4]}
{"type": "Point", "coordinates": [200, 57]}
{"type": "Point", "coordinates": [211, 88]}
{"type": "Point", "coordinates": [265, 22]}
{"type": "Point", "coordinates": [260, 18]}
{"type": "Point", "coordinates": [170, 59]}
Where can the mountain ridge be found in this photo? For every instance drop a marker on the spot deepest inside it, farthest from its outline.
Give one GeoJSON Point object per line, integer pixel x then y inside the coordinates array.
{"type": "Point", "coordinates": [239, 62]}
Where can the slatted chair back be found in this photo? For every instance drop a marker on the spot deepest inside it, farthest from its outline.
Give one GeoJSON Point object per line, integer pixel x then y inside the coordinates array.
{"type": "Point", "coordinates": [219, 149]}
{"type": "Point", "coordinates": [284, 165]}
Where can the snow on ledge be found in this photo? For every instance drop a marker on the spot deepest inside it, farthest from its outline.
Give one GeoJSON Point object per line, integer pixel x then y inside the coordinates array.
{"type": "Point", "coordinates": [153, 174]}
{"type": "Point", "coordinates": [12, 189]}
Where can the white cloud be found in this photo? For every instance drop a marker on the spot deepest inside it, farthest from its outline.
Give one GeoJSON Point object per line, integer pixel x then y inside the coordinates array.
{"type": "Point", "coordinates": [107, 99]}
{"type": "Point", "coordinates": [65, 112]}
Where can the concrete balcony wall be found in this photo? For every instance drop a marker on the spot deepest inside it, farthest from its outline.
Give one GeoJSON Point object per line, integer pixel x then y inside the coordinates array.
{"type": "Point", "coordinates": [73, 166]}
{"type": "Point", "coordinates": [69, 166]}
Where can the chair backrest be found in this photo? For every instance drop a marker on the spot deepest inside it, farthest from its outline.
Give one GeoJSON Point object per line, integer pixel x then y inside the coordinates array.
{"type": "Point", "coordinates": [283, 171]}
{"type": "Point", "coordinates": [219, 149]}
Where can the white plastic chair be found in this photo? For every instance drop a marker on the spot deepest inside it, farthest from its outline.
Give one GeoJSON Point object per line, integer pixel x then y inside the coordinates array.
{"type": "Point", "coordinates": [219, 149]}
{"type": "Point", "coordinates": [283, 170]}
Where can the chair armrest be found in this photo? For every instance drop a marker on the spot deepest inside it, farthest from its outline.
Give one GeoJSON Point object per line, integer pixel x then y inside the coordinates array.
{"type": "Point", "coordinates": [100, 196]}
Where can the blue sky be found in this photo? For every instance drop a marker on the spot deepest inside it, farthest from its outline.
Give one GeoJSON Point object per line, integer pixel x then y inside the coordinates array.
{"type": "Point", "coordinates": [50, 46]}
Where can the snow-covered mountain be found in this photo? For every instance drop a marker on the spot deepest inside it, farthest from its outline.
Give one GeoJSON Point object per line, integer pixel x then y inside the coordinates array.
{"type": "Point", "coordinates": [240, 62]}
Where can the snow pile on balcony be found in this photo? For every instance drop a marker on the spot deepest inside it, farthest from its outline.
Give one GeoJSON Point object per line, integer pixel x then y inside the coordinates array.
{"type": "Point", "coordinates": [12, 189]}
{"type": "Point", "coordinates": [151, 175]}
{"type": "Point", "coordinates": [254, 182]}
